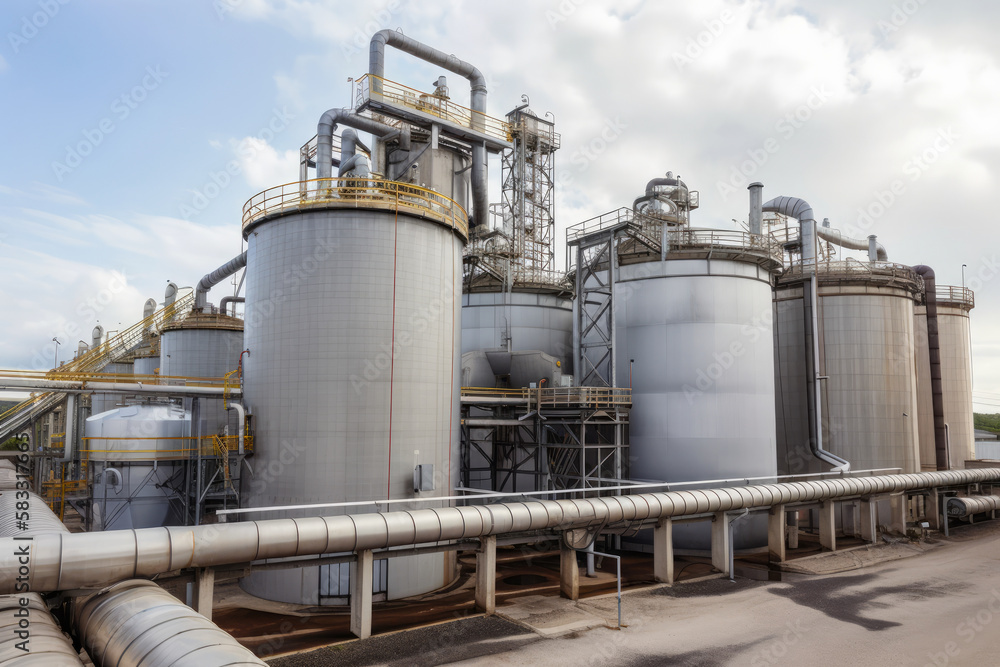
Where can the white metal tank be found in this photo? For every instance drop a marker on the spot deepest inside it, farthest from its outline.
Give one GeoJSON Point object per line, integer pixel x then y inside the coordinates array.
{"type": "Point", "coordinates": [694, 343]}
{"type": "Point", "coordinates": [353, 339]}
{"type": "Point", "coordinates": [136, 454]}
{"type": "Point", "coordinates": [953, 308]}
{"type": "Point", "coordinates": [203, 345]}
{"type": "Point", "coordinates": [104, 401]}
{"type": "Point", "coordinates": [866, 330]}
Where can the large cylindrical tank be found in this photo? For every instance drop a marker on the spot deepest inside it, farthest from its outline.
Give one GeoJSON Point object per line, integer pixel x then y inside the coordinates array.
{"type": "Point", "coordinates": [694, 336]}
{"type": "Point", "coordinates": [953, 309]}
{"type": "Point", "coordinates": [103, 401]}
{"type": "Point", "coordinates": [529, 320]}
{"type": "Point", "coordinates": [352, 327]}
{"type": "Point", "coordinates": [136, 454]}
{"type": "Point", "coordinates": [203, 345]}
{"type": "Point", "coordinates": [869, 390]}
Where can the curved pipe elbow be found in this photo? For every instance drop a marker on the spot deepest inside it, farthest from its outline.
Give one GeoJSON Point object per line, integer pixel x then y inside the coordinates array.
{"type": "Point", "coordinates": [241, 414]}
{"type": "Point", "coordinates": [790, 206]}
{"type": "Point", "coordinates": [209, 280]}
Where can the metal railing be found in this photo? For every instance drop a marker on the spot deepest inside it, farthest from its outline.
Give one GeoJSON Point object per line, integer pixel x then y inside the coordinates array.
{"type": "Point", "coordinates": [598, 397]}
{"type": "Point", "coordinates": [685, 239]}
{"type": "Point", "coordinates": [953, 294]}
{"type": "Point", "coordinates": [852, 268]}
{"type": "Point", "coordinates": [227, 383]}
{"type": "Point", "coordinates": [610, 220]}
{"type": "Point", "coordinates": [356, 193]}
{"type": "Point", "coordinates": [375, 88]}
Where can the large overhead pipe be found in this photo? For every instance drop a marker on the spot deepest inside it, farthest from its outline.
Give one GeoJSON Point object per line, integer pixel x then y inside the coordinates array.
{"type": "Point", "coordinates": [803, 212]}
{"type": "Point", "coordinates": [93, 560]}
{"type": "Point", "coordinates": [836, 237]}
{"type": "Point", "coordinates": [328, 123]}
{"type": "Point", "coordinates": [934, 351]}
{"type": "Point", "coordinates": [209, 280]}
{"type": "Point", "coordinates": [477, 82]}
{"type": "Point", "coordinates": [88, 386]}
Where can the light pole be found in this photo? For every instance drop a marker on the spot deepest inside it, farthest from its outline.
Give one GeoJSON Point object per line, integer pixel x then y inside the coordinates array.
{"type": "Point", "coordinates": [55, 362]}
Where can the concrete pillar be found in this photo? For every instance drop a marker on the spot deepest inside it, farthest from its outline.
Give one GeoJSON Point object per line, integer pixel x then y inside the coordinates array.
{"type": "Point", "coordinates": [663, 551]}
{"type": "Point", "coordinates": [898, 509]}
{"type": "Point", "coordinates": [793, 529]}
{"type": "Point", "coordinates": [933, 509]}
{"type": "Point", "coordinates": [720, 543]}
{"type": "Point", "coordinates": [204, 591]}
{"type": "Point", "coordinates": [869, 522]}
{"type": "Point", "coordinates": [776, 529]}
{"type": "Point", "coordinates": [486, 574]}
{"type": "Point", "coordinates": [361, 594]}
{"type": "Point", "coordinates": [827, 525]}
{"type": "Point", "coordinates": [569, 572]}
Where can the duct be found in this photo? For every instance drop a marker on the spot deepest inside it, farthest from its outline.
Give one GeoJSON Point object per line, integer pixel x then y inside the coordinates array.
{"type": "Point", "coordinates": [477, 82]}
{"type": "Point", "coordinates": [69, 434]}
{"type": "Point", "coordinates": [801, 211]}
{"type": "Point", "coordinates": [91, 560]}
{"type": "Point", "coordinates": [117, 473]}
{"type": "Point", "coordinates": [756, 218]}
{"type": "Point", "coordinates": [139, 623]}
{"type": "Point", "coordinates": [148, 308]}
{"type": "Point", "coordinates": [97, 337]}
{"type": "Point", "coordinates": [934, 351]}
{"type": "Point", "coordinates": [87, 386]}
{"type": "Point", "coordinates": [835, 237]}
{"type": "Point", "coordinates": [41, 520]}
{"type": "Point", "coordinates": [209, 280]}
{"type": "Point", "coordinates": [170, 295]}
{"type": "Point", "coordinates": [328, 124]}
{"type": "Point", "coordinates": [46, 643]}
{"type": "Point", "coordinates": [970, 505]}
{"type": "Point", "coordinates": [226, 300]}
{"type": "Point", "coordinates": [241, 414]}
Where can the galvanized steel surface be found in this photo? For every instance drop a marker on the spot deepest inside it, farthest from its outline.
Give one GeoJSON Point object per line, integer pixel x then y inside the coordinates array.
{"type": "Point", "coordinates": [694, 338]}
{"type": "Point", "coordinates": [90, 560]}
{"type": "Point", "coordinates": [143, 432]}
{"type": "Point", "coordinates": [352, 376]}
{"type": "Point", "coordinates": [969, 505]}
{"type": "Point", "coordinates": [47, 645]}
{"type": "Point", "coordinates": [139, 623]}
{"type": "Point", "coordinates": [534, 321]}
{"type": "Point", "coordinates": [37, 519]}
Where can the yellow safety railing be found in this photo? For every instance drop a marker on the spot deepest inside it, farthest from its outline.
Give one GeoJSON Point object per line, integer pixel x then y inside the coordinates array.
{"type": "Point", "coordinates": [373, 192]}
{"type": "Point", "coordinates": [559, 396]}
{"type": "Point", "coordinates": [371, 87]}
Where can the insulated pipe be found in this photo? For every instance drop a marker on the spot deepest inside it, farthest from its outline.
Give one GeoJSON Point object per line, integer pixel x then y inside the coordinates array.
{"type": "Point", "coordinates": [836, 237]}
{"type": "Point", "coordinates": [93, 560]}
{"type": "Point", "coordinates": [148, 308]}
{"type": "Point", "coordinates": [226, 300]}
{"type": "Point", "coordinates": [44, 643]}
{"type": "Point", "coordinates": [69, 434]}
{"type": "Point", "coordinates": [87, 386]}
{"type": "Point", "coordinates": [477, 83]}
{"type": "Point", "coordinates": [970, 505]}
{"type": "Point", "coordinates": [241, 414]}
{"type": "Point", "coordinates": [934, 352]}
{"type": "Point", "coordinates": [209, 280]}
{"type": "Point", "coordinates": [40, 519]}
{"type": "Point", "coordinates": [96, 337]}
{"type": "Point", "coordinates": [328, 124]}
{"type": "Point", "coordinates": [170, 295]}
{"type": "Point", "coordinates": [756, 217]}
{"type": "Point", "coordinates": [801, 211]}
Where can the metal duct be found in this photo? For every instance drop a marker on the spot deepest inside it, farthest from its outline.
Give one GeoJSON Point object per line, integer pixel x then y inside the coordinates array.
{"type": "Point", "coordinates": [970, 505]}
{"type": "Point", "coordinates": [209, 280]}
{"type": "Point", "coordinates": [47, 645]}
{"type": "Point", "coordinates": [41, 520]}
{"type": "Point", "coordinates": [934, 351]}
{"type": "Point", "coordinates": [69, 432]}
{"type": "Point", "coordinates": [836, 237]}
{"type": "Point", "coordinates": [96, 337]}
{"type": "Point", "coordinates": [170, 295]}
{"type": "Point", "coordinates": [148, 308]}
{"type": "Point", "coordinates": [139, 623]}
{"type": "Point", "coordinates": [328, 123]}
{"type": "Point", "coordinates": [226, 300]}
{"type": "Point", "coordinates": [801, 211]}
{"type": "Point", "coordinates": [87, 386]}
{"type": "Point", "coordinates": [756, 217]}
{"type": "Point", "coordinates": [477, 82]}
{"type": "Point", "coordinates": [93, 560]}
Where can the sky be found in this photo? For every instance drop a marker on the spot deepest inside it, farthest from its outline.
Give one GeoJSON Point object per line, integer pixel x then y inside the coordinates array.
{"type": "Point", "coordinates": [134, 131]}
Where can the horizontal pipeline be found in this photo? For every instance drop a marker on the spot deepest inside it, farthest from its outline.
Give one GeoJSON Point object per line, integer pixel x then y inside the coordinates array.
{"type": "Point", "coordinates": [93, 560]}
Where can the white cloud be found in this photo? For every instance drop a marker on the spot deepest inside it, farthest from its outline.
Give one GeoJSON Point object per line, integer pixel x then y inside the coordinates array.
{"type": "Point", "coordinates": [263, 166]}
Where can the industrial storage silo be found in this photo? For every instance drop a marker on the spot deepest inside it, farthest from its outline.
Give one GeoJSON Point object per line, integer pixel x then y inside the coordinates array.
{"type": "Point", "coordinates": [202, 345]}
{"type": "Point", "coordinates": [953, 311]}
{"type": "Point", "coordinates": [694, 342]}
{"type": "Point", "coordinates": [864, 350]}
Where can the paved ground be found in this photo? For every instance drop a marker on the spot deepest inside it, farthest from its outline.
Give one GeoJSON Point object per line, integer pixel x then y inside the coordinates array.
{"type": "Point", "coordinates": [939, 608]}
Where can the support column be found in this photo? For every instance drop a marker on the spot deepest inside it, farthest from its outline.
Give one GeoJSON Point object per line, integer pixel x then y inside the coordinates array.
{"type": "Point", "coordinates": [827, 525]}
{"type": "Point", "coordinates": [720, 543]}
{"type": "Point", "coordinates": [204, 591]}
{"type": "Point", "coordinates": [776, 529]}
{"type": "Point", "coordinates": [486, 574]}
{"type": "Point", "coordinates": [793, 529]}
{"type": "Point", "coordinates": [569, 572]}
{"type": "Point", "coordinates": [361, 594]}
{"type": "Point", "coordinates": [663, 551]}
{"type": "Point", "coordinates": [933, 509]}
{"type": "Point", "coordinates": [869, 525]}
